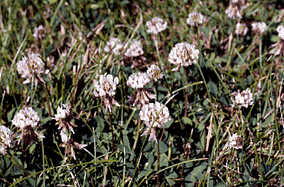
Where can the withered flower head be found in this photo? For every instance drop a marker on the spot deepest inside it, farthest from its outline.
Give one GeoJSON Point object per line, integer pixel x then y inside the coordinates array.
{"type": "Point", "coordinates": [114, 45]}
{"type": "Point", "coordinates": [154, 73]}
{"type": "Point", "coordinates": [69, 145]}
{"type": "Point", "coordinates": [63, 118]}
{"type": "Point", "coordinates": [141, 96]}
{"type": "Point", "coordinates": [152, 133]}
{"type": "Point", "coordinates": [235, 141]}
{"type": "Point", "coordinates": [39, 32]}
{"type": "Point", "coordinates": [196, 19]}
{"type": "Point", "coordinates": [235, 8]}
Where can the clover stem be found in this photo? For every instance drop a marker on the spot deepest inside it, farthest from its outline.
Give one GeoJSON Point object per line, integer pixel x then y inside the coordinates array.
{"type": "Point", "coordinates": [157, 48]}
{"type": "Point", "coordinates": [111, 128]}
{"type": "Point", "coordinates": [137, 135]}
{"type": "Point", "coordinates": [158, 161]}
{"type": "Point", "coordinates": [47, 99]}
{"type": "Point", "coordinates": [186, 94]}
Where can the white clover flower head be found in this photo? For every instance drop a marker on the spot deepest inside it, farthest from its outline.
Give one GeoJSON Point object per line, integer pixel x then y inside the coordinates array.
{"type": "Point", "coordinates": [6, 139]}
{"type": "Point", "coordinates": [114, 45]}
{"type": "Point", "coordinates": [155, 116]}
{"type": "Point", "coordinates": [155, 113]}
{"type": "Point", "coordinates": [31, 67]}
{"type": "Point", "coordinates": [195, 19]}
{"type": "Point", "coordinates": [235, 141]}
{"type": "Point", "coordinates": [241, 29]}
{"type": "Point", "coordinates": [183, 54]}
{"type": "Point", "coordinates": [243, 99]}
{"type": "Point", "coordinates": [154, 73]}
{"type": "Point", "coordinates": [135, 49]}
{"type": "Point", "coordinates": [62, 112]}
{"type": "Point", "coordinates": [27, 120]}
{"type": "Point", "coordinates": [138, 80]}
{"type": "Point", "coordinates": [39, 32]}
{"type": "Point", "coordinates": [280, 30]}
{"type": "Point", "coordinates": [259, 27]}
{"type": "Point", "coordinates": [105, 86]}
{"type": "Point", "coordinates": [156, 25]}
{"type": "Point", "coordinates": [26, 117]}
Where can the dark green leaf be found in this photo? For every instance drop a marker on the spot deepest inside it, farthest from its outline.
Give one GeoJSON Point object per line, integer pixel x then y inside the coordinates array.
{"type": "Point", "coordinates": [189, 180]}
{"type": "Point", "coordinates": [177, 75]}
{"type": "Point", "coordinates": [150, 160]}
{"type": "Point", "coordinates": [126, 143]}
{"type": "Point", "coordinates": [163, 147]}
{"type": "Point", "coordinates": [198, 171]}
{"type": "Point", "coordinates": [163, 89]}
{"type": "Point", "coordinates": [148, 146]}
{"type": "Point", "coordinates": [186, 121]}
{"type": "Point", "coordinates": [171, 176]}
{"type": "Point", "coordinates": [212, 88]}
{"type": "Point", "coordinates": [144, 173]}
{"type": "Point", "coordinates": [168, 124]}
{"type": "Point", "coordinates": [164, 161]}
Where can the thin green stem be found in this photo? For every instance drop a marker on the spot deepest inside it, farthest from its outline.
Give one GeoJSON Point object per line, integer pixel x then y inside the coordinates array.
{"type": "Point", "coordinates": [186, 94]}
{"type": "Point", "coordinates": [47, 99]}
{"type": "Point", "coordinates": [158, 52]}
{"type": "Point", "coordinates": [158, 163]}
{"type": "Point", "coordinates": [137, 135]}
{"type": "Point", "coordinates": [111, 128]}
{"type": "Point", "coordinates": [43, 162]}
{"type": "Point", "coordinates": [22, 168]}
